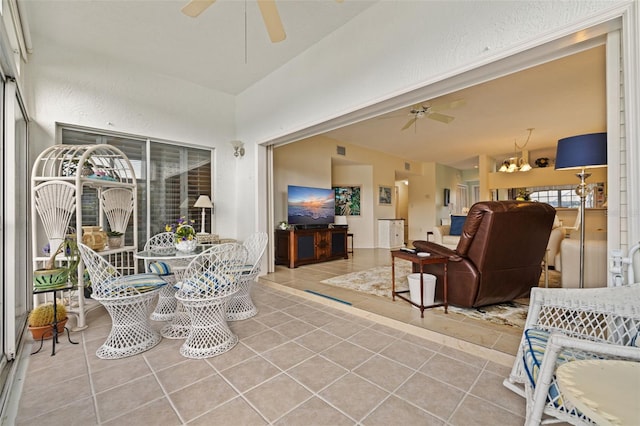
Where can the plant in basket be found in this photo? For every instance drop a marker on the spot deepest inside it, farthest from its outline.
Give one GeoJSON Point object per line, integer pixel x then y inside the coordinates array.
{"type": "Point", "coordinates": [52, 276]}
{"type": "Point", "coordinates": [184, 234]}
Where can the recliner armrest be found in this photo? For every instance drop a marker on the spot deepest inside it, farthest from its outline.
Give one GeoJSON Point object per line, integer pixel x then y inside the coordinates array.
{"type": "Point", "coordinates": [435, 249]}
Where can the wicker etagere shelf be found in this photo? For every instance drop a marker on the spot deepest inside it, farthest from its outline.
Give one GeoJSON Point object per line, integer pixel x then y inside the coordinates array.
{"type": "Point", "coordinates": [60, 175]}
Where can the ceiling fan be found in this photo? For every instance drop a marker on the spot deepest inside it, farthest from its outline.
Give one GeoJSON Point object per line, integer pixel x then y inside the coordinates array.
{"type": "Point", "coordinates": [431, 111]}
{"type": "Point", "coordinates": [268, 9]}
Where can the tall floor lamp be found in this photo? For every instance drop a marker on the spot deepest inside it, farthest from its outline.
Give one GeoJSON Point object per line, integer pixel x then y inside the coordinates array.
{"type": "Point", "coordinates": [582, 152]}
{"type": "Point", "coordinates": [203, 202]}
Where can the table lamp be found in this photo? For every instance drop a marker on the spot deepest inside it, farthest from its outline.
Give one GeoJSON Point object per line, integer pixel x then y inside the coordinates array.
{"type": "Point", "coordinates": [582, 152]}
{"type": "Point", "coordinates": [203, 202]}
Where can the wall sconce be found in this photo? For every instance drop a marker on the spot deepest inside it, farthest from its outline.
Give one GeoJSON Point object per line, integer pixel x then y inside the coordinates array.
{"type": "Point", "coordinates": [238, 148]}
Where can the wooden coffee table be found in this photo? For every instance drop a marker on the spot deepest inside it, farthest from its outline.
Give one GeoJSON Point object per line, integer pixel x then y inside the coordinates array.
{"type": "Point", "coordinates": [418, 260]}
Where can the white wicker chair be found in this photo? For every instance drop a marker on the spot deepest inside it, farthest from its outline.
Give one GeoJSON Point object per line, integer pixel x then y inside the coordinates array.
{"type": "Point", "coordinates": [210, 280]}
{"type": "Point", "coordinates": [579, 324]}
{"type": "Point", "coordinates": [241, 305]}
{"type": "Point", "coordinates": [128, 300]}
{"type": "Point", "coordinates": [167, 303]}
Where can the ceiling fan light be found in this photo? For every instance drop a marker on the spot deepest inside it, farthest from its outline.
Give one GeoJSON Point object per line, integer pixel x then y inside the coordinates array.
{"type": "Point", "coordinates": [512, 168]}
{"type": "Point", "coordinates": [504, 167]}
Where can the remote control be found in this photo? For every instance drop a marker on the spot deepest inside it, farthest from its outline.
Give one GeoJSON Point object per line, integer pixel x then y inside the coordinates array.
{"type": "Point", "coordinates": [407, 249]}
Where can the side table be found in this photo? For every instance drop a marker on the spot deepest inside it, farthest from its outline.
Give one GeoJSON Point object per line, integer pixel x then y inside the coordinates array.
{"type": "Point", "coordinates": [418, 260]}
{"type": "Point", "coordinates": [54, 325]}
{"type": "Point", "coordinates": [350, 236]}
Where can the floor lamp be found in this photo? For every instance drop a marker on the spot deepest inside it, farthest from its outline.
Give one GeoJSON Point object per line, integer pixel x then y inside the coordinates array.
{"type": "Point", "coordinates": [582, 152]}
{"type": "Point", "coordinates": [203, 202]}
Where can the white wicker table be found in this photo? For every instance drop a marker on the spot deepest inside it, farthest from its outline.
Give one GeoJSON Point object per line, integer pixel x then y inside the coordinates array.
{"type": "Point", "coordinates": [167, 306]}
{"type": "Point", "coordinates": [607, 391]}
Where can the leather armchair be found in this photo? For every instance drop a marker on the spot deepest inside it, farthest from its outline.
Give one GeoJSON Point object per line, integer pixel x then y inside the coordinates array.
{"type": "Point", "coordinates": [499, 255]}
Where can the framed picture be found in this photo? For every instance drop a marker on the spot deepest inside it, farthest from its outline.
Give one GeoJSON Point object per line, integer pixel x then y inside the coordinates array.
{"type": "Point", "coordinates": [384, 195]}
{"type": "Point", "coordinates": [347, 200]}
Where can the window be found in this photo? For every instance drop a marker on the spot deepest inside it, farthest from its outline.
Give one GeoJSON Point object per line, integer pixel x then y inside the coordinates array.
{"type": "Point", "coordinates": [170, 179]}
{"type": "Point", "coordinates": [564, 196]}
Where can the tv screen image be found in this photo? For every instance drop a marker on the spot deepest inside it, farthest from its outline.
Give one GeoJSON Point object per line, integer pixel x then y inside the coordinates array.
{"type": "Point", "coordinates": [310, 206]}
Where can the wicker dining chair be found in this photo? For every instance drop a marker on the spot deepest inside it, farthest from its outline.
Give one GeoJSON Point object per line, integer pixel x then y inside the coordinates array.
{"type": "Point", "coordinates": [565, 325]}
{"type": "Point", "coordinates": [209, 282]}
{"type": "Point", "coordinates": [241, 305]}
{"type": "Point", "coordinates": [127, 299]}
{"type": "Point", "coordinates": [170, 270]}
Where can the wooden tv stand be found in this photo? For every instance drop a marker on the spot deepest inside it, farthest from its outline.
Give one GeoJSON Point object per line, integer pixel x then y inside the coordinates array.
{"type": "Point", "coordinates": [305, 246]}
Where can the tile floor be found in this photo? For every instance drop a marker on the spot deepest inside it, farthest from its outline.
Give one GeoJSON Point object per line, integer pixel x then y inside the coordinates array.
{"type": "Point", "coordinates": [303, 359]}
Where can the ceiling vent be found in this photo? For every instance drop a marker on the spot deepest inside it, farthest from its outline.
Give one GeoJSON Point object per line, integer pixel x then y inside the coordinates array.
{"type": "Point", "coordinates": [341, 150]}
{"type": "Point", "coordinates": [407, 166]}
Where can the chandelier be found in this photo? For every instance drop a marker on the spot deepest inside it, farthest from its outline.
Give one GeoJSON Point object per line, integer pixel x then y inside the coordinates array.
{"type": "Point", "coordinates": [517, 163]}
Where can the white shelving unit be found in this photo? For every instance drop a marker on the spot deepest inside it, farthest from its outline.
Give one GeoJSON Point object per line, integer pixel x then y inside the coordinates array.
{"type": "Point", "coordinates": [391, 233]}
{"type": "Point", "coordinates": [59, 177]}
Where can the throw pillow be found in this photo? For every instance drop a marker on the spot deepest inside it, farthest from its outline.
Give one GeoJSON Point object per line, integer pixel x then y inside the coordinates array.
{"type": "Point", "coordinates": [457, 223]}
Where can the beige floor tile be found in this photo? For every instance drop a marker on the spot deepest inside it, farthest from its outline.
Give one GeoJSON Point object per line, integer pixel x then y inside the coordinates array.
{"type": "Point", "coordinates": [158, 412]}
{"type": "Point", "coordinates": [274, 318]}
{"type": "Point", "coordinates": [134, 367]}
{"type": "Point", "coordinates": [201, 397]}
{"type": "Point", "coordinates": [183, 374]}
{"type": "Point", "coordinates": [318, 340]}
{"type": "Point", "coordinates": [451, 371]}
{"type": "Point", "coordinates": [166, 354]}
{"type": "Point", "coordinates": [354, 396]}
{"type": "Point", "coordinates": [372, 340]}
{"type": "Point", "coordinates": [413, 356]}
{"type": "Point", "coordinates": [288, 355]}
{"type": "Point", "coordinates": [383, 372]}
{"type": "Point", "coordinates": [43, 400]}
{"type": "Point", "coordinates": [314, 412]}
{"type": "Point", "coordinates": [247, 328]}
{"type": "Point", "coordinates": [489, 387]}
{"type": "Point", "coordinates": [250, 373]}
{"type": "Point", "coordinates": [265, 341]}
{"type": "Point", "coordinates": [347, 355]}
{"type": "Point", "coordinates": [234, 412]}
{"type": "Point", "coordinates": [317, 373]}
{"type": "Point", "coordinates": [127, 397]}
{"type": "Point", "coordinates": [80, 412]}
{"type": "Point", "coordinates": [440, 399]}
{"type": "Point", "coordinates": [238, 354]}
{"type": "Point", "coordinates": [394, 411]}
{"type": "Point", "coordinates": [474, 411]}
{"type": "Point", "coordinates": [343, 328]}
{"type": "Point", "coordinates": [294, 329]}
{"type": "Point", "coordinates": [277, 396]}
{"type": "Point", "coordinates": [464, 356]}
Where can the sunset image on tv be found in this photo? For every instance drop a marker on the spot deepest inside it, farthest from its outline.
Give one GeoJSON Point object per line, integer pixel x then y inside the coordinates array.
{"type": "Point", "coordinates": [310, 206]}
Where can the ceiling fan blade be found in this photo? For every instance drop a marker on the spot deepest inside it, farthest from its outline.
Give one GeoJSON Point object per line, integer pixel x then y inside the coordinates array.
{"type": "Point", "coordinates": [196, 7]}
{"type": "Point", "coordinates": [450, 105]}
{"type": "Point", "coordinates": [409, 123]}
{"type": "Point", "coordinates": [272, 21]}
{"type": "Point", "coordinates": [441, 117]}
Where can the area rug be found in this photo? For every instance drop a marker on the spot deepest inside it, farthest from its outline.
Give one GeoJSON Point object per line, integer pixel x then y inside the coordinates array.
{"type": "Point", "coordinates": [377, 281]}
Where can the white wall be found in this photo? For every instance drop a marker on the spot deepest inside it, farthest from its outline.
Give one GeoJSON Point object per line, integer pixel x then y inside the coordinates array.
{"type": "Point", "coordinates": [89, 90]}
{"type": "Point", "coordinates": [391, 48]}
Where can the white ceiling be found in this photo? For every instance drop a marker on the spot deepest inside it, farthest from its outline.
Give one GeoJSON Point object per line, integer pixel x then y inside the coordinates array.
{"type": "Point", "coordinates": [558, 99]}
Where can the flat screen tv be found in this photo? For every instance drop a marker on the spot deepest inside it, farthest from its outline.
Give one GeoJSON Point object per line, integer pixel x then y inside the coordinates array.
{"type": "Point", "coordinates": [310, 206]}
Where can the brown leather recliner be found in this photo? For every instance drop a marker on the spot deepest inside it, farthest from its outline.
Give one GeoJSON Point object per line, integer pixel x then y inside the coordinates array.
{"type": "Point", "coordinates": [499, 255]}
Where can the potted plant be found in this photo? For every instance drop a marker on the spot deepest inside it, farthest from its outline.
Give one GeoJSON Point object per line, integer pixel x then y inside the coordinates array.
{"type": "Point", "coordinates": [56, 276]}
{"type": "Point", "coordinates": [41, 320]}
{"type": "Point", "coordinates": [115, 239]}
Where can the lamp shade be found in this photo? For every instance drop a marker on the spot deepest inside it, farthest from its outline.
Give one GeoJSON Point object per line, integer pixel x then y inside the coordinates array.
{"type": "Point", "coordinates": [582, 151]}
{"type": "Point", "coordinates": [340, 220]}
{"type": "Point", "coordinates": [203, 202]}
